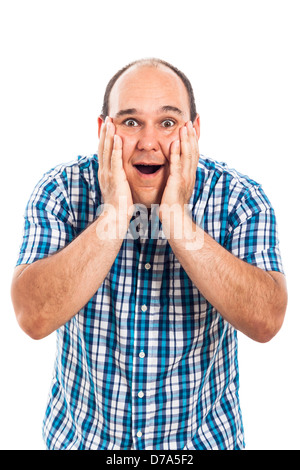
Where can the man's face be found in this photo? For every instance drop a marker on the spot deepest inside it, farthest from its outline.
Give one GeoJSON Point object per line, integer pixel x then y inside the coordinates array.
{"type": "Point", "coordinates": [148, 106]}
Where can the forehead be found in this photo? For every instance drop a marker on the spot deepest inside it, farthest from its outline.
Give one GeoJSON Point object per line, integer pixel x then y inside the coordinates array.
{"type": "Point", "coordinates": [148, 89]}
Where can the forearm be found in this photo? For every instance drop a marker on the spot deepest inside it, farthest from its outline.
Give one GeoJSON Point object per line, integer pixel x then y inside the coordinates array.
{"type": "Point", "coordinates": [247, 297]}
{"type": "Point", "coordinates": [49, 292]}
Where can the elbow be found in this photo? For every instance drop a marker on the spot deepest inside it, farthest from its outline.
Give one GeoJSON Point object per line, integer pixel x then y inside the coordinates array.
{"type": "Point", "coordinates": [271, 318]}
{"type": "Point", "coordinates": [264, 333]}
{"type": "Point", "coordinates": [29, 321]}
{"type": "Point", "coordinates": [268, 328]}
{"type": "Point", "coordinates": [32, 328]}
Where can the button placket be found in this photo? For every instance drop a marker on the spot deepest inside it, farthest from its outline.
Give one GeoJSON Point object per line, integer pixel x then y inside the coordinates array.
{"type": "Point", "coordinates": [142, 318]}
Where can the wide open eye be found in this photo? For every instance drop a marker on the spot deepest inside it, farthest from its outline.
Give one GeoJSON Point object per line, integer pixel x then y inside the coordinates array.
{"type": "Point", "coordinates": [168, 123]}
{"type": "Point", "coordinates": [130, 123]}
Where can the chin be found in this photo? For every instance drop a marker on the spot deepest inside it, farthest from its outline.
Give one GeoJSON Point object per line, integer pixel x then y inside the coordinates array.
{"type": "Point", "coordinates": [147, 197]}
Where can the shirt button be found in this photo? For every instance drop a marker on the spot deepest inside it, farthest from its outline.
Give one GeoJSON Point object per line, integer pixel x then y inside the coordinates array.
{"type": "Point", "coordinates": [140, 394]}
{"type": "Point", "coordinates": [147, 266]}
{"type": "Point", "coordinates": [139, 434]}
{"type": "Point", "coordinates": [144, 308]}
{"type": "Point", "coordinates": [142, 354]}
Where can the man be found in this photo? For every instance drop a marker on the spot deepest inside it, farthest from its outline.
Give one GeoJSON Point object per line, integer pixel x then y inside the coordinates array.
{"type": "Point", "coordinates": [147, 318]}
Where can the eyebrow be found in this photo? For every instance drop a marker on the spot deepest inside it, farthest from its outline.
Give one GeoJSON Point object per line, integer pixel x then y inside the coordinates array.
{"type": "Point", "coordinates": [174, 109]}
{"type": "Point", "coordinates": [164, 109]}
{"type": "Point", "coordinates": [124, 112]}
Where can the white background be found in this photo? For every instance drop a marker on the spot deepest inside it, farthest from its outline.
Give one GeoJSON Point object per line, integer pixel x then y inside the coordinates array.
{"type": "Point", "coordinates": [242, 58]}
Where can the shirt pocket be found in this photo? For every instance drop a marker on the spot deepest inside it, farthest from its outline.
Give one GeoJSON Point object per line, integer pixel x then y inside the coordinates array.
{"type": "Point", "coordinates": [185, 297]}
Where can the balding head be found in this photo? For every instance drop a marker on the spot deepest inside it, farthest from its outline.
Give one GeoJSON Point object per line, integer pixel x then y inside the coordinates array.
{"type": "Point", "coordinates": [151, 63]}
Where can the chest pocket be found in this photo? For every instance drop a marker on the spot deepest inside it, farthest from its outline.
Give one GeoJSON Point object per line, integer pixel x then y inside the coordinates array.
{"type": "Point", "coordinates": [184, 295]}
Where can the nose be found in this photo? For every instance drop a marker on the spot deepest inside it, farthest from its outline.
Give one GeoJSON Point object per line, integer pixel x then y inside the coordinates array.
{"type": "Point", "coordinates": [148, 139]}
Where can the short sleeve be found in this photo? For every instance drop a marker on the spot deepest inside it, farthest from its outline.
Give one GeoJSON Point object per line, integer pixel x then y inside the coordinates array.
{"type": "Point", "coordinates": [253, 233]}
{"type": "Point", "coordinates": [48, 223]}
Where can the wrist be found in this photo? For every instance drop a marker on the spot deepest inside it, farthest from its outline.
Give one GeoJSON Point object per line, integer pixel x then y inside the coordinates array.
{"type": "Point", "coordinates": [176, 219]}
{"type": "Point", "coordinates": [112, 222]}
{"type": "Point", "coordinates": [181, 230]}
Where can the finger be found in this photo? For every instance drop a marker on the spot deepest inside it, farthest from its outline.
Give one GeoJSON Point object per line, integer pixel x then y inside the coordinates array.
{"type": "Point", "coordinates": [108, 145]}
{"type": "Point", "coordinates": [192, 137]}
{"type": "Point", "coordinates": [101, 145]}
{"type": "Point", "coordinates": [194, 145]}
{"type": "Point", "coordinates": [186, 150]}
{"type": "Point", "coordinates": [116, 157]}
{"type": "Point", "coordinates": [175, 161]}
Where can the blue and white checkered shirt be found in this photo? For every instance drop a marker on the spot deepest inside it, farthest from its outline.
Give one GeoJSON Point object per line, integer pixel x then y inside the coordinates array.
{"type": "Point", "coordinates": [148, 363]}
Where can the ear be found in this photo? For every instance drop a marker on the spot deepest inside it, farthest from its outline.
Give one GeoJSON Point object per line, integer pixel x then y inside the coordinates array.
{"type": "Point", "coordinates": [196, 125]}
{"type": "Point", "coordinates": [100, 122]}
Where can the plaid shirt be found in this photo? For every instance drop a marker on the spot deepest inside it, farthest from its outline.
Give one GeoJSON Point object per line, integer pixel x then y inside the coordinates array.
{"type": "Point", "coordinates": [148, 363]}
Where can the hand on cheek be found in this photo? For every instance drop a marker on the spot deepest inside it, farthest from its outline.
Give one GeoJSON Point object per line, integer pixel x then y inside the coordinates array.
{"type": "Point", "coordinates": [113, 183]}
{"type": "Point", "coordinates": [184, 155]}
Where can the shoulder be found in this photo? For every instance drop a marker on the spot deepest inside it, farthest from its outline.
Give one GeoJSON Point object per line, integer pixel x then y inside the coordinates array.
{"type": "Point", "coordinates": [64, 177]}
{"type": "Point", "coordinates": [223, 197]}
{"type": "Point", "coordinates": [218, 181]}
{"type": "Point", "coordinates": [215, 171]}
{"type": "Point", "coordinates": [82, 166]}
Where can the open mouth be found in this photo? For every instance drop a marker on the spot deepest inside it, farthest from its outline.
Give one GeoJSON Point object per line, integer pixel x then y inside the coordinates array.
{"type": "Point", "coordinates": [148, 169]}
